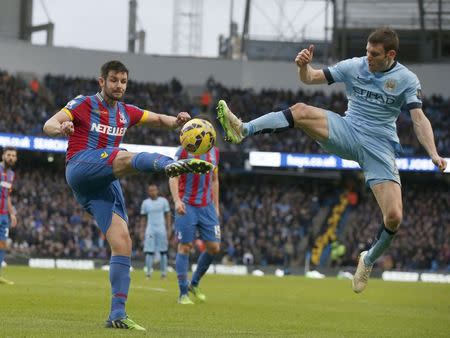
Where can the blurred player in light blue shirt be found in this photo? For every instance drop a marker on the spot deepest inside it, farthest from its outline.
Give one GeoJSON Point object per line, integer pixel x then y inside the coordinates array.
{"type": "Point", "coordinates": [157, 210]}
{"type": "Point", "coordinates": [377, 86]}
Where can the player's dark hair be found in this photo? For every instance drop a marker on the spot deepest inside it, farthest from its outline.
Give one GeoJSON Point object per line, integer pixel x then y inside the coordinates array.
{"type": "Point", "coordinates": [115, 66]}
{"type": "Point", "coordinates": [386, 36]}
{"type": "Point", "coordinates": [5, 149]}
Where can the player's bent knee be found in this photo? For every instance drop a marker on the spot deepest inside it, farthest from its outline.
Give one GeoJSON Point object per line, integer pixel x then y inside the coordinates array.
{"type": "Point", "coordinates": [213, 248]}
{"type": "Point", "coordinates": [122, 163]}
{"type": "Point", "coordinates": [184, 249]}
{"type": "Point", "coordinates": [393, 219]}
{"type": "Point", "coordinates": [121, 245]}
{"type": "Point", "coordinates": [300, 111]}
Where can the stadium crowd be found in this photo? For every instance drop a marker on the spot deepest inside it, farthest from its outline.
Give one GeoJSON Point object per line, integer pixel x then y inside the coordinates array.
{"type": "Point", "coordinates": [423, 240]}
{"type": "Point", "coordinates": [263, 224]}
{"type": "Point", "coordinates": [25, 106]}
{"type": "Point", "coordinates": [268, 225]}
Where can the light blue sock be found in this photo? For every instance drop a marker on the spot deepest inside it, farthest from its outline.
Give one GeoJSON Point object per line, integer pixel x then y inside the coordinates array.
{"type": "Point", "coordinates": [2, 257]}
{"type": "Point", "coordinates": [163, 263]}
{"type": "Point", "coordinates": [119, 276]}
{"type": "Point", "coordinates": [182, 266]}
{"type": "Point", "coordinates": [270, 123]}
{"type": "Point", "coordinates": [382, 243]}
{"type": "Point", "coordinates": [203, 263]}
{"type": "Point", "coordinates": [150, 162]}
{"type": "Point", "coordinates": [149, 263]}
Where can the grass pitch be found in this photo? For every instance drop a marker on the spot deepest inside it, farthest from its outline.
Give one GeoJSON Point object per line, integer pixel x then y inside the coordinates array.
{"type": "Point", "coordinates": [68, 303]}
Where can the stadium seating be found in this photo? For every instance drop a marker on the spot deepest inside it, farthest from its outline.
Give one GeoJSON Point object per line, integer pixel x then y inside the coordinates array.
{"type": "Point", "coordinates": [274, 224]}
{"type": "Point", "coordinates": [24, 111]}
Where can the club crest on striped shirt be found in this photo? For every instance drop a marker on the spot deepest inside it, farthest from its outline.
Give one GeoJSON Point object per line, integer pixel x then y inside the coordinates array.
{"type": "Point", "coordinates": [122, 118]}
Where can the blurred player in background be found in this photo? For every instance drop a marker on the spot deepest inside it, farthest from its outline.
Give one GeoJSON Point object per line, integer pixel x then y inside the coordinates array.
{"type": "Point", "coordinates": [157, 210]}
{"type": "Point", "coordinates": [377, 86]}
{"type": "Point", "coordinates": [95, 126]}
{"type": "Point", "coordinates": [197, 208]}
{"type": "Point", "coordinates": [7, 210]}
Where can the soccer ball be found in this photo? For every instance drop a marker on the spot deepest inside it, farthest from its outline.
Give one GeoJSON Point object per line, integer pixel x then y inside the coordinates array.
{"type": "Point", "coordinates": [197, 136]}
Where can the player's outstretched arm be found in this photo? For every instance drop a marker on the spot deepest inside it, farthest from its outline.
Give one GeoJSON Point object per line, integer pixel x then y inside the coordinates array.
{"type": "Point", "coordinates": [306, 73]}
{"type": "Point", "coordinates": [424, 132]}
{"type": "Point", "coordinates": [165, 121]}
{"type": "Point", "coordinates": [59, 124]}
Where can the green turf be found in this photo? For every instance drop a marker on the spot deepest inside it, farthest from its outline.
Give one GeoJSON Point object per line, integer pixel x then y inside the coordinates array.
{"type": "Point", "coordinates": [67, 303]}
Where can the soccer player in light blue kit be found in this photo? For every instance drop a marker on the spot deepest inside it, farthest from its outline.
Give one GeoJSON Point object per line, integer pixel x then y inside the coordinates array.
{"type": "Point", "coordinates": [157, 210]}
{"type": "Point", "coordinates": [377, 86]}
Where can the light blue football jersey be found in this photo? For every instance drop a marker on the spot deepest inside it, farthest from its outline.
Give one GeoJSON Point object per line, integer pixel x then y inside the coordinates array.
{"type": "Point", "coordinates": [155, 211]}
{"type": "Point", "coordinates": [375, 99]}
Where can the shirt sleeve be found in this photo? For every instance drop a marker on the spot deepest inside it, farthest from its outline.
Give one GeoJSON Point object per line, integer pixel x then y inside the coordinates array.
{"type": "Point", "coordinates": [76, 107]}
{"type": "Point", "coordinates": [340, 71]}
{"type": "Point", "coordinates": [143, 209]}
{"type": "Point", "coordinates": [166, 205]}
{"type": "Point", "coordinates": [136, 114]}
{"type": "Point", "coordinates": [413, 94]}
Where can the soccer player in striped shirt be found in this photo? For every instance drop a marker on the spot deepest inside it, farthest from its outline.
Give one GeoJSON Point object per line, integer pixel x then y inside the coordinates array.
{"type": "Point", "coordinates": [7, 210]}
{"type": "Point", "coordinates": [95, 126]}
{"type": "Point", "coordinates": [196, 200]}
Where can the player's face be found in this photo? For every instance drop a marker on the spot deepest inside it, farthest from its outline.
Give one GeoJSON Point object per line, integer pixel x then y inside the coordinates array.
{"type": "Point", "coordinates": [9, 157]}
{"type": "Point", "coordinates": [377, 57]}
{"type": "Point", "coordinates": [115, 85]}
{"type": "Point", "coordinates": [153, 191]}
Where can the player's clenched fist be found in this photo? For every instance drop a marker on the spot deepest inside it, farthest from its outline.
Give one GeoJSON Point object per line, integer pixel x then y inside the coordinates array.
{"type": "Point", "coordinates": [305, 56]}
{"type": "Point", "coordinates": [180, 207]}
{"type": "Point", "coordinates": [67, 128]}
{"type": "Point", "coordinates": [182, 118]}
{"type": "Point", "coordinates": [440, 162]}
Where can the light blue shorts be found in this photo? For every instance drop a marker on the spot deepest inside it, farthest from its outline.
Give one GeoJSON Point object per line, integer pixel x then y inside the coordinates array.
{"type": "Point", "coordinates": [375, 155]}
{"type": "Point", "coordinates": [156, 241]}
{"type": "Point", "coordinates": [203, 219]}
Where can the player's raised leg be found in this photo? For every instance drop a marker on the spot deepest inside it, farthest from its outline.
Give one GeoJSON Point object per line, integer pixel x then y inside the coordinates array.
{"type": "Point", "coordinates": [389, 197]}
{"type": "Point", "coordinates": [311, 120]}
{"type": "Point", "coordinates": [119, 274]}
{"type": "Point", "coordinates": [125, 163]}
{"type": "Point", "coordinates": [203, 263]}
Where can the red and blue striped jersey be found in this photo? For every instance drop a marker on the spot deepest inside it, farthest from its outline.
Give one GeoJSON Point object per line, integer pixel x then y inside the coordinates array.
{"type": "Point", "coordinates": [6, 183]}
{"type": "Point", "coordinates": [196, 189]}
{"type": "Point", "coordinates": [98, 125]}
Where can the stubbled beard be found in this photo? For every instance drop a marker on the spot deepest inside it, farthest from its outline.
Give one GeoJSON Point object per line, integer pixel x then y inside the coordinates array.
{"type": "Point", "coordinates": [111, 97]}
{"type": "Point", "coordinates": [8, 164]}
